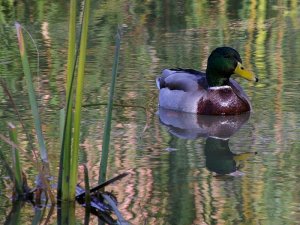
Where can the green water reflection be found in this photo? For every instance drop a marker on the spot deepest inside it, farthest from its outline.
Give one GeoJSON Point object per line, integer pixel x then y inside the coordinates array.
{"type": "Point", "coordinates": [167, 187]}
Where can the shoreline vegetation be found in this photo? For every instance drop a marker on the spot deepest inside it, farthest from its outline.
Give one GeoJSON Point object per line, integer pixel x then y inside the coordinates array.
{"type": "Point", "coordinates": [95, 200]}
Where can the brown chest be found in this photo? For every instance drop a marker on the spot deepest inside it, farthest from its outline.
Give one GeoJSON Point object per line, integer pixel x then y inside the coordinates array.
{"type": "Point", "coordinates": [222, 101]}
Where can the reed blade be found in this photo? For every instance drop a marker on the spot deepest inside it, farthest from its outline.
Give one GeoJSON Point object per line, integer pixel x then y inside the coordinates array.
{"type": "Point", "coordinates": [14, 217]}
{"type": "Point", "coordinates": [66, 131]}
{"type": "Point", "coordinates": [14, 106]}
{"type": "Point", "coordinates": [17, 167]}
{"type": "Point", "coordinates": [78, 100]}
{"type": "Point", "coordinates": [87, 189]}
{"type": "Point", "coordinates": [66, 213]}
{"type": "Point", "coordinates": [31, 93]}
{"type": "Point", "coordinates": [108, 117]}
{"type": "Point", "coordinates": [71, 45]}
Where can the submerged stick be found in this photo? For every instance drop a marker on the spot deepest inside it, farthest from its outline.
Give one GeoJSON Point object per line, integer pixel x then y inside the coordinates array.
{"type": "Point", "coordinates": [113, 205]}
{"type": "Point", "coordinates": [100, 186]}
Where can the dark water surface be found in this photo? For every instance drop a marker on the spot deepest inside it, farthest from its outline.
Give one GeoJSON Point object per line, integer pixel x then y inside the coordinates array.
{"type": "Point", "coordinates": [177, 162]}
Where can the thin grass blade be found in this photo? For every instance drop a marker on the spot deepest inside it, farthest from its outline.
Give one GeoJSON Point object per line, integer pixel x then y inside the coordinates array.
{"type": "Point", "coordinates": [87, 188]}
{"type": "Point", "coordinates": [78, 102]}
{"type": "Point", "coordinates": [38, 216]}
{"type": "Point", "coordinates": [66, 213]}
{"type": "Point", "coordinates": [65, 157]}
{"type": "Point", "coordinates": [17, 167]}
{"type": "Point", "coordinates": [72, 44]}
{"type": "Point", "coordinates": [6, 164]}
{"type": "Point", "coordinates": [108, 117]}
{"type": "Point", "coordinates": [14, 217]}
{"type": "Point", "coordinates": [32, 97]}
{"type": "Point", "coordinates": [12, 102]}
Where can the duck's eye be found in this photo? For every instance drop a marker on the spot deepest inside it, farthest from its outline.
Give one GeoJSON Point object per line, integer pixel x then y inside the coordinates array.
{"type": "Point", "coordinates": [242, 68]}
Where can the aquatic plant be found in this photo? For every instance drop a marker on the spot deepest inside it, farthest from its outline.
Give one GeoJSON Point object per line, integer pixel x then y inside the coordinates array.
{"type": "Point", "coordinates": [70, 119]}
{"type": "Point", "coordinates": [108, 118]}
{"type": "Point", "coordinates": [31, 93]}
{"type": "Point", "coordinates": [44, 169]}
{"type": "Point", "coordinates": [70, 140]}
{"type": "Point", "coordinates": [17, 171]}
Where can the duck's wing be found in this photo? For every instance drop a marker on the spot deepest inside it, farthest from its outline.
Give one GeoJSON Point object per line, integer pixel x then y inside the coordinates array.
{"type": "Point", "coordinates": [182, 79]}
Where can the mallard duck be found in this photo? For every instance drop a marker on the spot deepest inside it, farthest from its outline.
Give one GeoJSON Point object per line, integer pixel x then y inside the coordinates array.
{"type": "Point", "coordinates": [210, 93]}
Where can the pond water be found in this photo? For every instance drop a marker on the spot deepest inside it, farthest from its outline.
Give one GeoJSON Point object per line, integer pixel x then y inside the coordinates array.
{"type": "Point", "coordinates": [183, 169]}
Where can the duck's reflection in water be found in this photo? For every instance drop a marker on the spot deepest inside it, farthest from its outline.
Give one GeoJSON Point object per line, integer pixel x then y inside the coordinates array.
{"type": "Point", "coordinates": [216, 129]}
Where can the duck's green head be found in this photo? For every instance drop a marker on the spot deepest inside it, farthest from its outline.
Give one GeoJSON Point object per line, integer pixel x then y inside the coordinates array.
{"type": "Point", "coordinates": [222, 63]}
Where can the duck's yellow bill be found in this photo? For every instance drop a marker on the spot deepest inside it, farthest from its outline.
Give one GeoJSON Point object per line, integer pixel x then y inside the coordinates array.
{"type": "Point", "coordinates": [239, 70]}
{"type": "Point", "coordinates": [243, 156]}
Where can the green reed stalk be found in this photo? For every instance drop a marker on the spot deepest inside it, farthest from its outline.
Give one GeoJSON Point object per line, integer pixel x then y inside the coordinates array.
{"type": "Point", "coordinates": [17, 167]}
{"type": "Point", "coordinates": [87, 189]}
{"type": "Point", "coordinates": [108, 117]}
{"type": "Point", "coordinates": [38, 216]}
{"type": "Point", "coordinates": [32, 98]}
{"type": "Point", "coordinates": [72, 43]}
{"type": "Point", "coordinates": [66, 213]}
{"type": "Point", "coordinates": [87, 196]}
{"type": "Point", "coordinates": [62, 117]}
{"type": "Point", "coordinates": [5, 163]}
{"type": "Point", "coordinates": [70, 78]}
{"type": "Point", "coordinates": [78, 102]}
{"type": "Point", "coordinates": [14, 217]}
{"type": "Point", "coordinates": [65, 157]}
